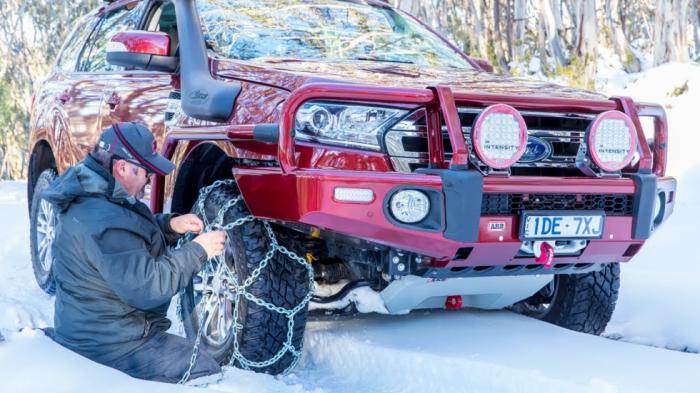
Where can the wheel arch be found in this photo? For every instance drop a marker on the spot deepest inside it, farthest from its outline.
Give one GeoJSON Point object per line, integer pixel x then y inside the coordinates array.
{"type": "Point", "coordinates": [205, 164]}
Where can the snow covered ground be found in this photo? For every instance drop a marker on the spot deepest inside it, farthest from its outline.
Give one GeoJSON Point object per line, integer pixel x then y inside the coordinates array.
{"type": "Point", "coordinates": [466, 351]}
{"type": "Point", "coordinates": [660, 293]}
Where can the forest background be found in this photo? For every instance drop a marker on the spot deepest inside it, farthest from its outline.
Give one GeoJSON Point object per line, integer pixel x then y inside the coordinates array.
{"type": "Point", "coordinates": [561, 40]}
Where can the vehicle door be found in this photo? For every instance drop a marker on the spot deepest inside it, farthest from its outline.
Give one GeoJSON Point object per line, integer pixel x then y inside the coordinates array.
{"type": "Point", "coordinates": [137, 95]}
{"type": "Point", "coordinates": [61, 108]}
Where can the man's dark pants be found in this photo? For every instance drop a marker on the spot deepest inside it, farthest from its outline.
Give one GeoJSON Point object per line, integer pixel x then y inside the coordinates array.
{"type": "Point", "coordinates": [164, 358]}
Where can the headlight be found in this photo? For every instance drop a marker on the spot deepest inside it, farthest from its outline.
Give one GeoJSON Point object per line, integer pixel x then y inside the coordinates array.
{"type": "Point", "coordinates": [345, 124]}
{"type": "Point", "coordinates": [499, 136]}
{"type": "Point", "coordinates": [612, 141]}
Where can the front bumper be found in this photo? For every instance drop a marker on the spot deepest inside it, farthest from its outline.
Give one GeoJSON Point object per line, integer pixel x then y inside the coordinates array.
{"type": "Point", "coordinates": [465, 236]}
{"type": "Point", "coordinates": [462, 235]}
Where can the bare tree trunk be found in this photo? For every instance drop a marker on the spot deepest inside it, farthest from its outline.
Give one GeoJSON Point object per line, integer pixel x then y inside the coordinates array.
{"type": "Point", "coordinates": [587, 47]}
{"type": "Point", "coordinates": [509, 28]}
{"type": "Point", "coordinates": [542, 44]}
{"type": "Point", "coordinates": [613, 17]}
{"type": "Point", "coordinates": [696, 26]}
{"type": "Point", "coordinates": [551, 16]}
{"type": "Point", "coordinates": [670, 39]}
{"type": "Point", "coordinates": [497, 37]}
{"type": "Point", "coordinates": [476, 9]}
{"type": "Point", "coordinates": [572, 36]}
{"type": "Point", "coordinates": [519, 33]}
{"type": "Point", "coordinates": [411, 6]}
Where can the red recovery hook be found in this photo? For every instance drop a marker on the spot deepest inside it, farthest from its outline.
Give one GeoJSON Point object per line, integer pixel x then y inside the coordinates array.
{"type": "Point", "coordinates": [544, 253]}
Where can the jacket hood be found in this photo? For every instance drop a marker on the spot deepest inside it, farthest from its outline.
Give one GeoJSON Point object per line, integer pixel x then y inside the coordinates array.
{"type": "Point", "coordinates": [86, 179]}
{"type": "Point", "coordinates": [292, 74]}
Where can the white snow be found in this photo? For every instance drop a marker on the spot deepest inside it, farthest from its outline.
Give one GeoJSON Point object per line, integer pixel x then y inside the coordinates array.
{"type": "Point", "coordinates": [22, 303]}
{"type": "Point", "coordinates": [659, 292]}
{"type": "Point", "coordinates": [365, 299]}
{"type": "Point", "coordinates": [438, 351]}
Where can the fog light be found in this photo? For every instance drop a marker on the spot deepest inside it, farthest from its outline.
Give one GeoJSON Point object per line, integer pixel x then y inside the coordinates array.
{"type": "Point", "coordinates": [409, 206]}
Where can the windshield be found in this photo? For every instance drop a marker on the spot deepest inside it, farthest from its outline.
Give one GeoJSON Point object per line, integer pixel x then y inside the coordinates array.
{"type": "Point", "coordinates": [327, 30]}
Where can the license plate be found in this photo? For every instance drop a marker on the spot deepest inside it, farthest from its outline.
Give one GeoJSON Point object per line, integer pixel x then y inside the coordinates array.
{"type": "Point", "coordinates": [562, 225]}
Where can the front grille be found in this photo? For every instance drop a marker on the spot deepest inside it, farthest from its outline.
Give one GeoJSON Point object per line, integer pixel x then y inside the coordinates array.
{"type": "Point", "coordinates": [407, 143]}
{"type": "Point", "coordinates": [513, 204]}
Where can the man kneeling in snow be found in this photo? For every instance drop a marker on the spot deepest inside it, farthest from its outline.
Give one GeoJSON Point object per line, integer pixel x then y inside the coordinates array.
{"type": "Point", "coordinates": [114, 273]}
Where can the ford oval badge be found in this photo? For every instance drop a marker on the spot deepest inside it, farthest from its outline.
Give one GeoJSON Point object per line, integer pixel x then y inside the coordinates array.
{"type": "Point", "coordinates": [537, 149]}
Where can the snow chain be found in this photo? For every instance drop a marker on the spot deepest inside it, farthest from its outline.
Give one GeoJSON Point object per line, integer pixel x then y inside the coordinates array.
{"type": "Point", "coordinates": [240, 289]}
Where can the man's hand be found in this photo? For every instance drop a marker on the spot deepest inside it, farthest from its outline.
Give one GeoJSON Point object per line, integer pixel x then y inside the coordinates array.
{"type": "Point", "coordinates": [186, 223]}
{"type": "Point", "coordinates": [213, 243]}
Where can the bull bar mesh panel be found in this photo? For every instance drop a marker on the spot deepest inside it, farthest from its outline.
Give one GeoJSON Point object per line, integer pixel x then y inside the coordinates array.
{"type": "Point", "coordinates": [513, 204]}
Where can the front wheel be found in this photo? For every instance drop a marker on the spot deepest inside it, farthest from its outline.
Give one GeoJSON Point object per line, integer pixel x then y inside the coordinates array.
{"type": "Point", "coordinates": [42, 230]}
{"type": "Point", "coordinates": [579, 302]}
{"type": "Point", "coordinates": [262, 333]}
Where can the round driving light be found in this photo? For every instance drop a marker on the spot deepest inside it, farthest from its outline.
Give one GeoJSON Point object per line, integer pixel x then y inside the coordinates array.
{"type": "Point", "coordinates": [499, 136]}
{"type": "Point", "coordinates": [611, 141]}
{"type": "Point", "coordinates": [409, 206]}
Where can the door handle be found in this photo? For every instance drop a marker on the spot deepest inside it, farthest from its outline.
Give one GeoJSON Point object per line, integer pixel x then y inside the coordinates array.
{"type": "Point", "coordinates": [64, 97]}
{"type": "Point", "coordinates": [114, 101]}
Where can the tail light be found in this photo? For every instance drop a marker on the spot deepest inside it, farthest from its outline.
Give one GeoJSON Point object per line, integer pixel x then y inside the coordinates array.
{"type": "Point", "coordinates": [499, 136]}
{"type": "Point", "coordinates": [612, 141]}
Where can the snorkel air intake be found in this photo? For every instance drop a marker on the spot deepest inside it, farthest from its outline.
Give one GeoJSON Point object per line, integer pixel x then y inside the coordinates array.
{"type": "Point", "coordinates": [203, 97]}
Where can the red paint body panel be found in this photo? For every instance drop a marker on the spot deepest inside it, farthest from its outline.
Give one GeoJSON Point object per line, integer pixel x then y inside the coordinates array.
{"type": "Point", "coordinates": [308, 198]}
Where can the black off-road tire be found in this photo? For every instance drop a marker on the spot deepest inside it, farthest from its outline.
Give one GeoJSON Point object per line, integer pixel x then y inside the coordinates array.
{"type": "Point", "coordinates": [44, 277]}
{"type": "Point", "coordinates": [283, 282]}
{"type": "Point", "coordinates": [579, 302]}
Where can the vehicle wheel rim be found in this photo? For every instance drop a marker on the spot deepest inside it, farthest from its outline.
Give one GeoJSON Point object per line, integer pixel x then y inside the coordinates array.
{"type": "Point", "coordinates": [46, 233]}
{"type": "Point", "coordinates": [213, 285]}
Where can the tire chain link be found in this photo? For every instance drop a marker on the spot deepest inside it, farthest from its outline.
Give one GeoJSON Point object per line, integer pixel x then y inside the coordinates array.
{"type": "Point", "coordinates": [240, 290]}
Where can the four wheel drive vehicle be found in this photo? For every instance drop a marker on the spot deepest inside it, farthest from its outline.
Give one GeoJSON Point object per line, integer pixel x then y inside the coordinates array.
{"type": "Point", "coordinates": [370, 145]}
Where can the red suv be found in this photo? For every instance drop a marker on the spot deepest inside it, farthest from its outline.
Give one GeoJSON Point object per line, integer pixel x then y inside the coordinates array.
{"type": "Point", "coordinates": [368, 144]}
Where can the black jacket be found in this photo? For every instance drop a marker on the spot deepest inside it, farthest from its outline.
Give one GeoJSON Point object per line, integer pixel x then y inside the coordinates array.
{"type": "Point", "coordinates": [114, 272]}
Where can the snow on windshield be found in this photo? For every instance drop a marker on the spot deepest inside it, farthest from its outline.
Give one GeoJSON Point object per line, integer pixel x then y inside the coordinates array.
{"type": "Point", "coordinates": [328, 30]}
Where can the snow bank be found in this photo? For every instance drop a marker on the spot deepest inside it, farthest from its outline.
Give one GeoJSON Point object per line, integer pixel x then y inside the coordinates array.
{"type": "Point", "coordinates": [659, 292]}
{"type": "Point", "coordinates": [17, 284]}
{"type": "Point", "coordinates": [473, 351]}
{"type": "Point", "coordinates": [32, 362]}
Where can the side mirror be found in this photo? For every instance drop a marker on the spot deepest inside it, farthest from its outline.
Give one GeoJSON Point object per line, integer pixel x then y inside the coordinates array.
{"type": "Point", "coordinates": [143, 50]}
{"type": "Point", "coordinates": [483, 65]}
